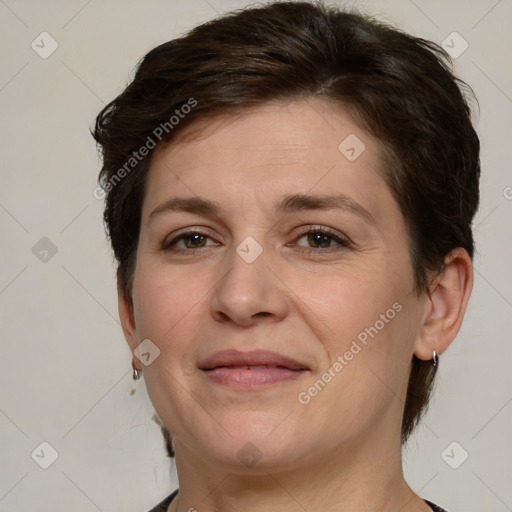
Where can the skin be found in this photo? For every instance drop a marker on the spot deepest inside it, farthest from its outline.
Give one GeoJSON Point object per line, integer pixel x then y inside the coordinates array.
{"type": "Point", "coordinates": [343, 446]}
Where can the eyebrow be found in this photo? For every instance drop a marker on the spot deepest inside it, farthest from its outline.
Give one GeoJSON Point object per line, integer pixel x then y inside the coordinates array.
{"type": "Point", "coordinates": [290, 203]}
{"type": "Point", "coordinates": [297, 202]}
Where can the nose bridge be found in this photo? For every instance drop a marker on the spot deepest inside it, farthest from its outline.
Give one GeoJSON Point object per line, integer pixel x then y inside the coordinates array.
{"type": "Point", "coordinates": [248, 288]}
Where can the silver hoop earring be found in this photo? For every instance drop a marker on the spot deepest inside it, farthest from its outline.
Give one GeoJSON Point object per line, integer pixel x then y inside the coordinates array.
{"type": "Point", "coordinates": [137, 374]}
{"type": "Point", "coordinates": [435, 359]}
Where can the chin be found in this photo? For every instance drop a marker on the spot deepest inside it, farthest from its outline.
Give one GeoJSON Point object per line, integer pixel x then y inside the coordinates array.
{"type": "Point", "coordinates": [248, 446]}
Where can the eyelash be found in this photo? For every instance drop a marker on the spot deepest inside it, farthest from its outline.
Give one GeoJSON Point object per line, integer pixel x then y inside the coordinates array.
{"type": "Point", "coordinates": [343, 242]}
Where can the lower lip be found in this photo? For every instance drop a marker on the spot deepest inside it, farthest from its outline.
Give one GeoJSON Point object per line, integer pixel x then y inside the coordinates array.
{"type": "Point", "coordinates": [244, 379]}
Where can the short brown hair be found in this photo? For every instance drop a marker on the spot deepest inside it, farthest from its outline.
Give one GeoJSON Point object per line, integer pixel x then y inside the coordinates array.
{"type": "Point", "coordinates": [399, 88]}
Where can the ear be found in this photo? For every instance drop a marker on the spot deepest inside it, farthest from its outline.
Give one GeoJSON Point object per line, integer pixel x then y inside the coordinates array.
{"type": "Point", "coordinates": [445, 305]}
{"type": "Point", "coordinates": [125, 308]}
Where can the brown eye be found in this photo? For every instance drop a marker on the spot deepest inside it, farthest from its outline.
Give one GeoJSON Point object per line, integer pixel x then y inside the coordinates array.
{"type": "Point", "coordinates": [322, 238]}
{"type": "Point", "coordinates": [189, 240]}
{"type": "Point", "coordinates": [194, 240]}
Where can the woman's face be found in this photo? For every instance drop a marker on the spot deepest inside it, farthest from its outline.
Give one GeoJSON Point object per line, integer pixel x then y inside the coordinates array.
{"type": "Point", "coordinates": [340, 303]}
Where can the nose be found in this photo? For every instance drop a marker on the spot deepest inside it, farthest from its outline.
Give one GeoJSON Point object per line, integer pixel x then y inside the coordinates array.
{"type": "Point", "coordinates": [249, 291]}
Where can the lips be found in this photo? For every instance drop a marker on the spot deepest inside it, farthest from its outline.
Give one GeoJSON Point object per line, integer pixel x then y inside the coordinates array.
{"type": "Point", "coordinates": [251, 371]}
{"type": "Point", "coordinates": [253, 360]}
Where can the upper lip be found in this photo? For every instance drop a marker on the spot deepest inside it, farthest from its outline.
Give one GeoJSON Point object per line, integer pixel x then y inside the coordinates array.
{"type": "Point", "coordinates": [233, 357]}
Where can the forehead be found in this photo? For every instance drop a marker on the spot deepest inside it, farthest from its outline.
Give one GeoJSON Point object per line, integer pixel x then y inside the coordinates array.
{"type": "Point", "coordinates": [305, 126]}
{"type": "Point", "coordinates": [310, 145]}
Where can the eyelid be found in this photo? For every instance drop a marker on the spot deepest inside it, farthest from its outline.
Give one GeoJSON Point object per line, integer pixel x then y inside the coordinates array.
{"type": "Point", "coordinates": [328, 231]}
{"type": "Point", "coordinates": [180, 234]}
{"type": "Point", "coordinates": [343, 241]}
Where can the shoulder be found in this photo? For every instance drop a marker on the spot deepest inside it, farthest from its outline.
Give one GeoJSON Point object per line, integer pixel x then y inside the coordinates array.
{"type": "Point", "coordinates": [164, 505]}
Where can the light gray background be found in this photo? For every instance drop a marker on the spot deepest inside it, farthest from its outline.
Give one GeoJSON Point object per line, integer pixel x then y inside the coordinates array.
{"type": "Point", "coordinates": [65, 374]}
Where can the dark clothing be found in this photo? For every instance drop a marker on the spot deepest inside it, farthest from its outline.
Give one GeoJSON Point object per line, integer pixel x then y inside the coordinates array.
{"type": "Point", "coordinates": [164, 505]}
{"type": "Point", "coordinates": [435, 508]}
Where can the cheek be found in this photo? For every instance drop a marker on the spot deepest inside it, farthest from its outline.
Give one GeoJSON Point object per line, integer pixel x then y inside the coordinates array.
{"type": "Point", "coordinates": [169, 310]}
{"type": "Point", "coordinates": [369, 336]}
{"type": "Point", "coordinates": [163, 298]}
{"type": "Point", "coordinates": [348, 301]}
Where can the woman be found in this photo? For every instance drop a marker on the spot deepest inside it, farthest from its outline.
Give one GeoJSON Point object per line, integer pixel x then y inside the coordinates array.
{"type": "Point", "coordinates": [289, 196]}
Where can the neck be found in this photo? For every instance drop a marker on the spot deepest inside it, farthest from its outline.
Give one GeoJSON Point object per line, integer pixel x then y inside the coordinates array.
{"type": "Point", "coordinates": [366, 476]}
